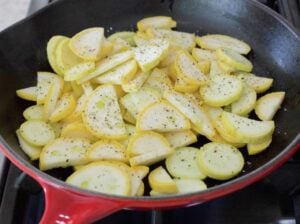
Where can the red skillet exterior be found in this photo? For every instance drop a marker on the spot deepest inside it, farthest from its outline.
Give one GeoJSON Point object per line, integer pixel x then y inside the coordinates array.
{"type": "Point", "coordinates": [70, 205]}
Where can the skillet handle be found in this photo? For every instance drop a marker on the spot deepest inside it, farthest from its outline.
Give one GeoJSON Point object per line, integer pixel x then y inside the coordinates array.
{"type": "Point", "coordinates": [66, 207]}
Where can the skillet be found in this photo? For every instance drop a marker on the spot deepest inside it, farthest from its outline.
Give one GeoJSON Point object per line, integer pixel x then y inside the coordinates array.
{"type": "Point", "coordinates": [275, 53]}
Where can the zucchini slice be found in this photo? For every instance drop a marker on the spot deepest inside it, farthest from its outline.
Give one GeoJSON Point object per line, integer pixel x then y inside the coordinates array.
{"type": "Point", "coordinates": [29, 93]}
{"type": "Point", "coordinates": [160, 181]}
{"type": "Point", "coordinates": [32, 151]}
{"type": "Point", "coordinates": [107, 64]}
{"type": "Point", "coordinates": [119, 75]}
{"type": "Point", "coordinates": [107, 150]}
{"type": "Point", "coordinates": [180, 138]}
{"type": "Point", "coordinates": [183, 164]}
{"type": "Point", "coordinates": [234, 60]}
{"type": "Point", "coordinates": [162, 117]}
{"type": "Point", "coordinates": [65, 106]}
{"type": "Point", "coordinates": [103, 177]}
{"type": "Point", "coordinates": [35, 112]}
{"type": "Point", "coordinates": [88, 43]}
{"type": "Point", "coordinates": [215, 41]}
{"type": "Point", "coordinates": [192, 110]}
{"type": "Point", "coordinates": [64, 152]}
{"type": "Point", "coordinates": [102, 114]}
{"type": "Point", "coordinates": [137, 82]}
{"type": "Point", "coordinates": [37, 133]}
{"type": "Point", "coordinates": [220, 161]}
{"type": "Point", "coordinates": [189, 185]}
{"type": "Point", "coordinates": [259, 84]}
{"type": "Point", "coordinates": [246, 103]}
{"type": "Point", "coordinates": [267, 106]}
{"type": "Point", "coordinates": [165, 22]}
{"type": "Point", "coordinates": [222, 90]}
{"type": "Point", "coordinates": [187, 68]}
{"type": "Point", "coordinates": [246, 130]}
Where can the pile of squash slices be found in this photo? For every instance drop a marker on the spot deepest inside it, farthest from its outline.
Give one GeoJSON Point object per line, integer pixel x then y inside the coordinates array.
{"type": "Point", "coordinates": [114, 107]}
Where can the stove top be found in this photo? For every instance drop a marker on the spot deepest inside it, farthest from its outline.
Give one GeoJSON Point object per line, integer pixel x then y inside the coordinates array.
{"type": "Point", "coordinates": [273, 200]}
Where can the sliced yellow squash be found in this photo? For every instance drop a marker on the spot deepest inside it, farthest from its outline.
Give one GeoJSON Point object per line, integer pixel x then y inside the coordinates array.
{"type": "Point", "coordinates": [222, 90]}
{"type": "Point", "coordinates": [234, 59]}
{"type": "Point", "coordinates": [29, 93]}
{"type": "Point", "coordinates": [246, 130]}
{"type": "Point", "coordinates": [192, 110]}
{"type": "Point", "coordinates": [220, 161]}
{"type": "Point", "coordinates": [188, 69]}
{"type": "Point", "coordinates": [162, 117]}
{"type": "Point", "coordinates": [215, 41]}
{"type": "Point", "coordinates": [77, 130]}
{"type": "Point", "coordinates": [32, 151]}
{"type": "Point", "coordinates": [37, 133]}
{"type": "Point", "coordinates": [88, 43]}
{"type": "Point", "coordinates": [102, 115]}
{"type": "Point", "coordinates": [35, 112]}
{"type": "Point", "coordinates": [53, 96]}
{"type": "Point", "coordinates": [189, 185]}
{"type": "Point", "coordinates": [246, 103]}
{"type": "Point", "coordinates": [103, 177]}
{"type": "Point", "coordinates": [160, 181]}
{"type": "Point", "coordinates": [136, 102]}
{"type": "Point", "coordinates": [257, 147]}
{"type": "Point", "coordinates": [119, 75]}
{"type": "Point", "coordinates": [64, 152]}
{"type": "Point", "coordinates": [259, 84]}
{"type": "Point", "coordinates": [156, 22]}
{"type": "Point", "coordinates": [65, 106]}
{"type": "Point", "coordinates": [78, 71]}
{"type": "Point", "coordinates": [107, 64]}
{"type": "Point", "coordinates": [148, 56]}
{"type": "Point", "coordinates": [183, 164]}
{"type": "Point", "coordinates": [267, 105]}
{"type": "Point", "coordinates": [107, 150]}
{"type": "Point", "coordinates": [137, 82]}
{"type": "Point", "coordinates": [180, 138]}
{"type": "Point", "coordinates": [51, 55]}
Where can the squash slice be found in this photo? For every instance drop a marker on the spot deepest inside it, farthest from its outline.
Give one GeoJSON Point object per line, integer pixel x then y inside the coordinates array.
{"type": "Point", "coordinates": [88, 43]}
{"type": "Point", "coordinates": [64, 152]}
{"type": "Point", "coordinates": [136, 102]}
{"type": "Point", "coordinates": [259, 84]}
{"type": "Point", "coordinates": [215, 41]}
{"type": "Point", "coordinates": [160, 181]}
{"type": "Point", "coordinates": [220, 161]}
{"type": "Point", "coordinates": [246, 130]}
{"type": "Point", "coordinates": [107, 150]}
{"type": "Point", "coordinates": [103, 177]}
{"type": "Point", "coordinates": [37, 133]}
{"type": "Point", "coordinates": [156, 22]}
{"type": "Point", "coordinates": [267, 106]}
{"type": "Point", "coordinates": [183, 164]}
{"type": "Point", "coordinates": [107, 64]}
{"type": "Point", "coordinates": [51, 53]}
{"type": "Point", "coordinates": [32, 151]}
{"type": "Point", "coordinates": [180, 138]}
{"type": "Point", "coordinates": [234, 59]}
{"type": "Point", "coordinates": [192, 110]}
{"type": "Point", "coordinates": [29, 93]}
{"type": "Point", "coordinates": [222, 90]}
{"type": "Point", "coordinates": [102, 114]}
{"type": "Point", "coordinates": [187, 68]}
{"type": "Point", "coordinates": [162, 117]}
{"type": "Point", "coordinates": [119, 75]}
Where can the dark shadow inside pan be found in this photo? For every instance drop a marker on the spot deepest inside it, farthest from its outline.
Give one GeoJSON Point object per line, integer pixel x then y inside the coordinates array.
{"type": "Point", "coordinates": [276, 53]}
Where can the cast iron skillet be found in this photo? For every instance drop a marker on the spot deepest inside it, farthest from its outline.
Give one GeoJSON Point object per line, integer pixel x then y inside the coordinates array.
{"type": "Point", "coordinates": [276, 54]}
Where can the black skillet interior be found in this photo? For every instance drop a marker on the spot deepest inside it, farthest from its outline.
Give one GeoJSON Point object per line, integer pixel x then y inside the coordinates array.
{"type": "Point", "coordinates": [276, 52]}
